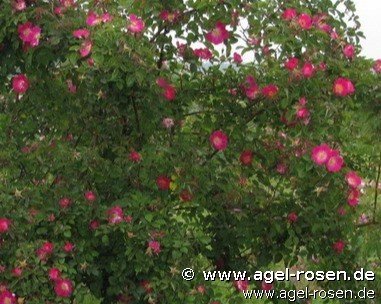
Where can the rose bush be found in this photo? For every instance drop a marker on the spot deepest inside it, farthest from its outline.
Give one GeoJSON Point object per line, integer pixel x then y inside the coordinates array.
{"type": "Point", "coordinates": [139, 138]}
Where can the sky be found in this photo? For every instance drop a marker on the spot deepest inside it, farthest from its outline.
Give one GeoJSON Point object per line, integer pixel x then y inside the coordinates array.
{"type": "Point", "coordinates": [369, 12]}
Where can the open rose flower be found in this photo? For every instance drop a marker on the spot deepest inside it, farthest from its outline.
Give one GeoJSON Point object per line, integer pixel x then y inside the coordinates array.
{"type": "Point", "coordinates": [7, 297]}
{"type": "Point", "coordinates": [81, 33]}
{"type": "Point", "coordinates": [349, 51]}
{"type": "Point", "coordinates": [377, 66]}
{"type": "Point", "coordinates": [289, 14]}
{"type": "Point", "coordinates": [169, 90]}
{"type": "Point", "coordinates": [20, 83]}
{"type": "Point", "coordinates": [136, 24]}
{"type": "Point", "coordinates": [219, 140]}
{"type": "Point", "coordinates": [251, 89]}
{"type": "Point", "coordinates": [335, 161]}
{"type": "Point", "coordinates": [353, 180]}
{"type": "Point", "coordinates": [343, 87]}
{"type": "Point", "coordinates": [115, 215]}
{"type": "Point", "coordinates": [305, 21]}
{"type": "Point", "coordinates": [203, 53]}
{"type": "Point", "coordinates": [246, 157]}
{"type": "Point", "coordinates": [154, 246]}
{"type": "Point", "coordinates": [320, 154]}
{"type": "Point", "coordinates": [93, 19]}
{"type": "Point", "coordinates": [353, 197]}
{"type": "Point", "coordinates": [54, 274]}
{"type": "Point", "coordinates": [135, 156]}
{"type": "Point", "coordinates": [163, 182]}
{"type": "Point", "coordinates": [169, 16]}
{"type": "Point", "coordinates": [218, 35]}
{"type": "Point", "coordinates": [4, 224]}
{"type": "Point", "coordinates": [339, 246]}
{"type": "Point", "coordinates": [29, 34]}
{"type": "Point", "coordinates": [308, 70]}
{"type": "Point", "coordinates": [63, 288]}
{"type": "Point", "coordinates": [291, 63]}
{"type": "Point", "coordinates": [85, 48]}
{"type": "Point", "coordinates": [270, 91]}
{"type": "Point", "coordinates": [19, 5]}
{"type": "Point", "coordinates": [241, 285]}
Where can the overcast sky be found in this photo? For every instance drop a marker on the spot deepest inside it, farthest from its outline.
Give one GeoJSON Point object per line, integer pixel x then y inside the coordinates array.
{"type": "Point", "coordinates": [369, 12]}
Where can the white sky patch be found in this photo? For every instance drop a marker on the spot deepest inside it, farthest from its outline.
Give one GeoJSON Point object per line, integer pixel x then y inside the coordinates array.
{"type": "Point", "coordinates": [369, 12]}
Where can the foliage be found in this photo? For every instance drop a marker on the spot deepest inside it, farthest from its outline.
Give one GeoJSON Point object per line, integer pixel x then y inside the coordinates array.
{"type": "Point", "coordinates": [109, 143]}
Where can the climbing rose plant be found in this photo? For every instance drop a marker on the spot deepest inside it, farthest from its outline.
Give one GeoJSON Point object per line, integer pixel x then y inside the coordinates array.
{"type": "Point", "coordinates": [139, 138]}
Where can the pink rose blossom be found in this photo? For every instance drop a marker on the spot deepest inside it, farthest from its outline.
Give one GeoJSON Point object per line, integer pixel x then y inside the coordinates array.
{"type": "Point", "coordinates": [20, 83]}
{"type": "Point", "coordinates": [219, 140]}
{"type": "Point", "coordinates": [320, 154]}
{"type": "Point", "coordinates": [81, 33]}
{"type": "Point", "coordinates": [335, 162]}
{"type": "Point", "coordinates": [106, 17]}
{"type": "Point", "coordinates": [169, 90]}
{"type": "Point", "coordinates": [363, 219]}
{"type": "Point", "coordinates": [289, 14]}
{"type": "Point", "coordinates": [64, 202]}
{"type": "Point", "coordinates": [136, 24]}
{"type": "Point", "coordinates": [93, 19]}
{"type": "Point", "coordinates": [305, 21]}
{"type": "Point", "coordinates": [353, 197]}
{"type": "Point", "coordinates": [54, 274]}
{"type": "Point", "coordinates": [349, 51]}
{"type": "Point", "coordinates": [163, 182]}
{"type": "Point", "coordinates": [281, 168]}
{"type": "Point", "coordinates": [90, 196]}
{"type": "Point", "coordinates": [168, 123]}
{"type": "Point", "coordinates": [135, 157]}
{"type": "Point", "coordinates": [266, 286]}
{"type": "Point", "coordinates": [377, 66]}
{"type": "Point", "coordinates": [270, 91]}
{"type": "Point", "coordinates": [302, 113]}
{"type": "Point", "coordinates": [237, 58]}
{"type": "Point", "coordinates": [308, 70]}
{"type": "Point", "coordinates": [63, 288]}
{"type": "Point", "coordinates": [68, 247]}
{"type": "Point", "coordinates": [17, 272]}
{"type": "Point", "coordinates": [291, 63]}
{"type": "Point", "coordinates": [353, 180]}
{"type": "Point", "coordinates": [343, 87]}
{"type": "Point", "coordinates": [19, 5]}
{"type": "Point", "coordinates": [218, 35]}
{"type": "Point", "coordinates": [4, 225]}
{"type": "Point", "coordinates": [252, 89]}
{"type": "Point", "coordinates": [292, 217]}
{"type": "Point", "coordinates": [241, 285]}
{"type": "Point", "coordinates": [115, 215]}
{"type": "Point", "coordinates": [339, 246]}
{"type": "Point", "coordinates": [204, 53]}
{"type": "Point", "coordinates": [169, 16]}
{"type": "Point", "coordinates": [6, 297]}
{"type": "Point", "coordinates": [246, 157]}
{"type": "Point", "coordinates": [85, 48]}
{"type": "Point", "coordinates": [29, 34]}
{"type": "Point", "coordinates": [154, 246]}
{"type": "Point", "coordinates": [94, 225]}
